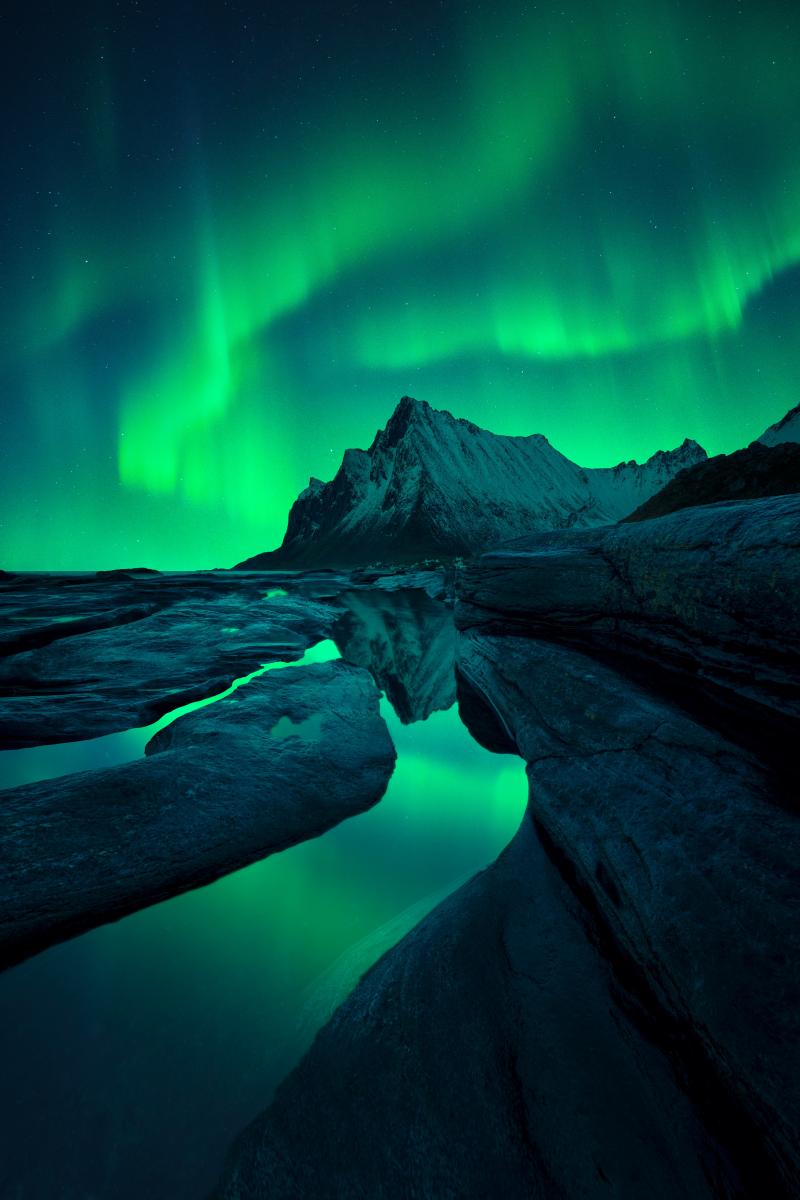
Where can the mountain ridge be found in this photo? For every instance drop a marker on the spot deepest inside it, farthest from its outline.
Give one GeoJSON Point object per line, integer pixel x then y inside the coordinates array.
{"type": "Point", "coordinates": [434, 485]}
{"type": "Point", "coordinates": [785, 430]}
{"type": "Point", "coordinates": [769, 466]}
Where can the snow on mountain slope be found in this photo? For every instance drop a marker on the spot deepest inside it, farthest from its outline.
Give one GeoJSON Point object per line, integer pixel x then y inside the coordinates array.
{"type": "Point", "coordinates": [431, 485]}
{"type": "Point", "coordinates": [785, 430]}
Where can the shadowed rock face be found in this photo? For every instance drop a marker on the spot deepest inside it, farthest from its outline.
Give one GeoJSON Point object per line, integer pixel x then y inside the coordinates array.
{"type": "Point", "coordinates": [219, 788]}
{"type": "Point", "coordinates": [679, 835]}
{"type": "Point", "coordinates": [705, 600]}
{"type": "Point", "coordinates": [769, 466]}
{"type": "Point", "coordinates": [484, 1056]}
{"type": "Point", "coordinates": [85, 657]}
{"type": "Point", "coordinates": [745, 475]}
{"type": "Point", "coordinates": [605, 1010]}
{"type": "Point", "coordinates": [672, 833]}
{"type": "Point", "coordinates": [434, 485]}
{"type": "Point", "coordinates": [612, 1007]}
{"type": "Point", "coordinates": [407, 642]}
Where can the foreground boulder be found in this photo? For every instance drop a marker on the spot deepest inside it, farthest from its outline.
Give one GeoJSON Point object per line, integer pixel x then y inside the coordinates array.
{"type": "Point", "coordinates": [610, 1009]}
{"type": "Point", "coordinates": [677, 839]}
{"type": "Point", "coordinates": [282, 759]}
{"type": "Point", "coordinates": [491, 1053]}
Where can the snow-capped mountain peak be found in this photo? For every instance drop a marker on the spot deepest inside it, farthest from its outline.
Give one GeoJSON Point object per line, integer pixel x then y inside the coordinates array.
{"type": "Point", "coordinates": [785, 430]}
{"type": "Point", "coordinates": [432, 484]}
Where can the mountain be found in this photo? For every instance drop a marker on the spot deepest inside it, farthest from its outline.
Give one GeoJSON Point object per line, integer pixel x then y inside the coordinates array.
{"type": "Point", "coordinates": [748, 474]}
{"type": "Point", "coordinates": [433, 485]}
{"type": "Point", "coordinates": [785, 430]}
{"type": "Point", "coordinates": [769, 466]}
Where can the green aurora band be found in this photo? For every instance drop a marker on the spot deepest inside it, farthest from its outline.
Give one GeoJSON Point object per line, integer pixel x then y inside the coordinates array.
{"type": "Point", "coordinates": [580, 221]}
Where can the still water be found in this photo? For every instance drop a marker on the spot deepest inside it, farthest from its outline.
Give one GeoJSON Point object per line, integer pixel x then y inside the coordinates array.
{"type": "Point", "coordinates": [133, 1055]}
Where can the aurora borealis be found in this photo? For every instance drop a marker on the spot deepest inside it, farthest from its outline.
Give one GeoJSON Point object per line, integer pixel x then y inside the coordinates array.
{"type": "Point", "coordinates": [234, 236]}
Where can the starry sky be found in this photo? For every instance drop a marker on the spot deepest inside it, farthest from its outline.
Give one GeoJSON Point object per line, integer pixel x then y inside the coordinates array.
{"type": "Point", "coordinates": [233, 235]}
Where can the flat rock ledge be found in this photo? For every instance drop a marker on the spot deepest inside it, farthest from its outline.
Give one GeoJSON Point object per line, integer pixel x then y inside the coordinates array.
{"type": "Point", "coordinates": [218, 789]}
{"type": "Point", "coordinates": [82, 661]}
{"type": "Point", "coordinates": [705, 601]}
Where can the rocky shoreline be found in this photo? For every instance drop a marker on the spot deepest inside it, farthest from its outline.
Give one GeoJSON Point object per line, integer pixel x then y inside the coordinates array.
{"type": "Point", "coordinates": [613, 1003]}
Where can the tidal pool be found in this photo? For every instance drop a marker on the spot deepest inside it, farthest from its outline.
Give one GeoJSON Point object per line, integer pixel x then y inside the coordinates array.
{"type": "Point", "coordinates": [133, 1055]}
{"type": "Point", "coordinates": [35, 763]}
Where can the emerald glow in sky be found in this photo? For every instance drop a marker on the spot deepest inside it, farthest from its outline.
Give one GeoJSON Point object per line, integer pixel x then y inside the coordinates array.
{"type": "Point", "coordinates": [232, 239]}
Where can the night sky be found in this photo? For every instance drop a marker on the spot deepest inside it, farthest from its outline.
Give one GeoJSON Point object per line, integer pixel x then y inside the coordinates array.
{"type": "Point", "coordinates": [233, 235]}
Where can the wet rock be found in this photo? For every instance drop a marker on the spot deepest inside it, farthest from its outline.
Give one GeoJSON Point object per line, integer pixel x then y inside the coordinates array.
{"type": "Point", "coordinates": [436, 581]}
{"type": "Point", "coordinates": [76, 675]}
{"type": "Point", "coordinates": [491, 1053]}
{"type": "Point", "coordinates": [676, 838]}
{"type": "Point", "coordinates": [219, 788]}
{"type": "Point", "coordinates": [705, 600]}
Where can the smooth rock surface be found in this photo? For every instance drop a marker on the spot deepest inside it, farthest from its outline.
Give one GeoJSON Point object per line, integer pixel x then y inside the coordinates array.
{"type": "Point", "coordinates": [220, 788]}
{"type": "Point", "coordinates": [124, 664]}
{"type": "Point", "coordinates": [675, 837]}
{"type": "Point", "coordinates": [708, 598]}
{"type": "Point", "coordinates": [484, 1056]}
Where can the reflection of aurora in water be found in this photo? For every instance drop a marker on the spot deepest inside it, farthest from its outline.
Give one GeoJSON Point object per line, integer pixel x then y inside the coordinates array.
{"type": "Point", "coordinates": [137, 1051]}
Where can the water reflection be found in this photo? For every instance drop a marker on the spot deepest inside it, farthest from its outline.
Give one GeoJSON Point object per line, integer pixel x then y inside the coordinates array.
{"type": "Point", "coordinates": [407, 641]}
{"type": "Point", "coordinates": [134, 1054]}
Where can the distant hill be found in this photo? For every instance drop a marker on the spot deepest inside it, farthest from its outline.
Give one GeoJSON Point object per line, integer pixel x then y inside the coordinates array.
{"type": "Point", "coordinates": [769, 466]}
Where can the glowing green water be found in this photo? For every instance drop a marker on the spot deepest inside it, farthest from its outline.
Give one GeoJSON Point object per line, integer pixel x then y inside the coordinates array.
{"type": "Point", "coordinates": [136, 1052]}
{"type": "Point", "coordinates": [64, 758]}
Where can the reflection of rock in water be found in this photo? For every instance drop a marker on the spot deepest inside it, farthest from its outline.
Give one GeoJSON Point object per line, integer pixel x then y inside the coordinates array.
{"type": "Point", "coordinates": [603, 1011]}
{"type": "Point", "coordinates": [611, 1008]}
{"type": "Point", "coordinates": [407, 641]}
